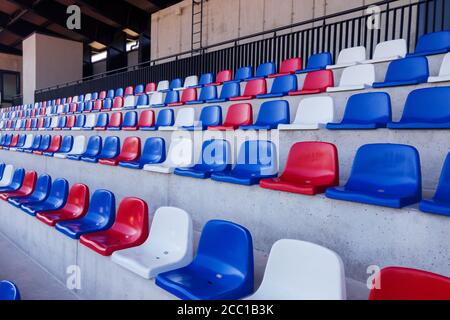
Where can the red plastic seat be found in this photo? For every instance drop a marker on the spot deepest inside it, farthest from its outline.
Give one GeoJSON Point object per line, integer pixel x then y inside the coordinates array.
{"type": "Point", "coordinates": [76, 206]}
{"type": "Point", "coordinates": [117, 103]}
{"type": "Point", "coordinates": [55, 144]}
{"type": "Point", "coordinates": [237, 115]}
{"type": "Point", "coordinates": [311, 168]}
{"type": "Point", "coordinates": [40, 123]}
{"type": "Point", "coordinates": [70, 122]}
{"type": "Point", "coordinates": [150, 87]}
{"type": "Point", "coordinates": [98, 105]}
{"type": "Point", "coordinates": [316, 82]}
{"type": "Point", "coordinates": [288, 66]}
{"type": "Point", "coordinates": [398, 283]}
{"type": "Point", "coordinates": [58, 101]}
{"type": "Point", "coordinates": [131, 151]}
{"type": "Point", "coordinates": [252, 89]}
{"type": "Point", "coordinates": [221, 77]}
{"type": "Point", "coordinates": [146, 119]}
{"type": "Point", "coordinates": [26, 189]}
{"type": "Point", "coordinates": [115, 122]}
{"type": "Point", "coordinates": [130, 229]}
{"type": "Point", "coordinates": [28, 124]}
{"type": "Point", "coordinates": [72, 108]}
{"type": "Point", "coordinates": [33, 113]}
{"type": "Point", "coordinates": [189, 94]}
{"type": "Point", "coordinates": [69, 100]}
{"type": "Point", "coordinates": [129, 91]}
{"type": "Point", "coordinates": [102, 95]}
{"type": "Point", "coordinates": [14, 140]}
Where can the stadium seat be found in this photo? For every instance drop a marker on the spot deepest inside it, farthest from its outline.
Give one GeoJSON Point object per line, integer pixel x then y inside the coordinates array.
{"type": "Point", "coordinates": [9, 291]}
{"type": "Point", "coordinates": [129, 91]}
{"type": "Point", "coordinates": [370, 110]}
{"type": "Point", "coordinates": [315, 82]}
{"type": "Point", "coordinates": [79, 123]}
{"type": "Point", "coordinates": [403, 72]}
{"type": "Point", "coordinates": [257, 159]}
{"type": "Point", "coordinates": [189, 94]}
{"type": "Point", "coordinates": [184, 117]}
{"type": "Point", "coordinates": [129, 102]}
{"type": "Point", "coordinates": [98, 105]}
{"type": "Point", "coordinates": [146, 120]}
{"type": "Point", "coordinates": [432, 43]}
{"type": "Point", "coordinates": [221, 270]}
{"type": "Point", "coordinates": [40, 192]}
{"type": "Point", "coordinates": [117, 103]}
{"type": "Point", "coordinates": [55, 144]}
{"type": "Point", "coordinates": [215, 157]}
{"type": "Point", "coordinates": [399, 283]}
{"type": "Point", "coordinates": [36, 142]}
{"type": "Point", "coordinates": [209, 116]}
{"type": "Point", "coordinates": [169, 245]}
{"type": "Point", "coordinates": [205, 79]}
{"type": "Point", "coordinates": [61, 123]}
{"type": "Point", "coordinates": [264, 70]}
{"type": "Point", "coordinates": [89, 122]}
{"type": "Point", "coordinates": [310, 169]}
{"type": "Point", "coordinates": [189, 82]}
{"type": "Point", "coordinates": [388, 51]}
{"type": "Point", "coordinates": [150, 87]}
{"type": "Point", "coordinates": [70, 122]}
{"type": "Point", "coordinates": [317, 62]}
{"type": "Point", "coordinates": [163, 85]}
{"type": "Point", "coordinates": [427, 108]}
{"type": "Point", "coordinates": [206, 94]}
{"type": "Point", "coordinates": [237, 115]}
{"type": "Point", "coordinates": [131, 151]}
{"type": "Point", "coordinates": [221, 77]}
{"type": "Point", "coordinates": [165, 118]}
{"type": "Point", "coordinates": [242, 74]}
{"type": "Point", "coordinates": [26, 188]}
{"type": "Point", "coordinates": [280, 87]}
{"type": "Point", "coordinates": [102, 122]}
{"type": "Point", "coordinates": [312, 114]}
{"type": "Point", "coordinates": [176, 84]}
{"type": "Point", "coordinates": [271, 114]}
{"type": "Point", "coordinates": [300, 270]}
{"type": "Point", "coordinates": [180, 155]}
{"type": "Point", "coordinates": [56, 199]}
{"type": "Point", "coordinates": [115, 121]}
{"type": "Point", "coordinates": [252, 89]}
{"type": "Point", "coordinates": [118, 93]}
{"type": "Point", "coordinates": [139, 89]}
{"type": "Point", "coordinates": [93, 149]}
{"type": "Point", "coordinates": [383, 174]}
{"type": "Point", "coordinates": [171, 97]}
{"type": "Point", "coordinates": [229, 89]}
{"type": "Point", "coordinates": [45, 144]}
{"type": "Point", "coordinates": [78, 148]}
{"type": "Point", "coordinates": [46, 125]}
{"type": "Point", "coordinates": [288, 66]}
{"type": "Point", "coordinates": [100, 216]}
{"type": "Point", "coordinates": [349, 57]}
{"type": "Point", "coordinates": [444, 71]}
{"type": "Point", "coordinates": [15, 182]}
{"type": "Point", "coordinates": [110, 150]}
{"type": "Point", "coordinates": [66, 146]}
{"type": "Point", "coordinates": [154, 152]}
{"type": "Point", "coordinates": [142, 102]}
{"type": "Point", "coordinates": [355, 78]}
{"type": "Point", "coordinates": [130, 121]}
{"type": "Point", "coordinates": [130, 229]}
{"type": "Point", "coordinates": [107, 105]}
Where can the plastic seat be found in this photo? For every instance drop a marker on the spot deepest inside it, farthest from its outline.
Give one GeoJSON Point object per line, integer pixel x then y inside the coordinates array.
{"type": "Point", "coordinates": [102, 122]}
{"type": "Point", "coordinates": [61, 123]}
{"type": "Point", "coordinates": [271, 114]}
{"type": "Point", "coordinates": [93, 148]}
{"type": "Point", "coordinates": [209, 116]}
{"type": "Point", "coordinates": [78, 148]}
{"type": "Point", "coordinates": [208, 93]}
{"type": "Point", "coordinates": [185, 118]}
{"type": "Point", "coordinates": [288, 66]}
{"type": "Point", "coordinates": [169, 245]}
{"type": "Point", "coordinates": [100, 216]}
{"type": "Point", "coordinates": [311, 168]}
{"type": "Point", "coordinates": [444, 71]}
{"type": "Point", "coordinates": [165, 118]}
{"type": "Point", "coordinates": [15, 182]}
{"type": "Point", "coordinates": [264, 70]}
{"type": "Point", "coordinates": [410, 284]}
{"type": "Point", "coordinates": [172, 98]}
{"type": "Point", "coordinates": [142, 102]}
{"type": "Point", "coordinates": [79, 123]}
{"type": "Point", "coordinates": [189, 94]}
{"type": "Point", "coordinates": [221, 270]}
{"type": "Point", "coordinates": [150, 87]}
{"type": "Point", "coordinates": [432, 43]}
{"type": "Point", "coordinates": [427, 108]}
{"type": "Point", "coordinates": [90, 122]}
{"type": "Point", "coordinates": [154, 152]}
{"type": "Point", "coordinates": [318, 61]}
{"type": "Point", "coordinates": [107, 105]}
{"type": "Point", "coordinates": [130, 229]}
{"type": "Point", "coordinates": [117, 103]}
{"type": "Point", "coordinates": [221, 77]}
{"type": "Point", "coordinates": [45, 144]}
{"type": "Point", "coordinates": [300, 270]}
{"type": "Point", "coordinates": [156, 99]}
{"type": "Point", "coordinates": [180, 155]}
{"type": "Point", "coordinates": [98, 105]}
{"type": "Point", "coordinates": [237, 115]}
{"type": "Point", "coordinates": [56, 199]}
{"type": "Point", "coordinates": [36, 143]}
{"type": "Point", "coordinates": [26, 188]}
{"type": "Point", "coordinates": [66, 146]}
{"type": "Point", "coordinates": [252, 89]}
{"type": "Point", "coordinates": [163, 85]}
{"type": "Point", "coordinates": [388, 51]}
{"type": "Point", "coordinates": [176, 84]}
{"type": "Point", "coordinates": [315, 82]}
{"type": "Point", "coordinates": [139, 89]}
{"type": "Point", "coordinates": [312, 114]}
{"type": "Point", "coordinates": [257, 159]}
{"type": "Point", "coordinates": [205, 78]}
{"type": "Point", "coordinates": [55, 144]}
{"type": "Point", "coordinates": [130, 121]}
{"type": "Point", "coordinates": [355, 78]}
{"type": "Point", "coordinates": [383, 174]}
{"type": "Point", "coordinates": [9, 291]}
{"type": "Point", "coordinates": [118, 92]}
{"type": "Point", "coordinates": [146, 120]}
{"type": "Point", "coordinates": [349, 57]}
{"type": "Point", "coordinates": [110, 150]}
{"type": "Point", "coordinates": [189, 82]}
{"type": "Point", "coordinates": [40, 192]}
{"type": "Point", "coordinates": [215, 157]}
{"type": "Point", "coordinates": [403, 72]}
{"type": "Point", "coordinates": [242, 74]}
{"type": "Point", "coordinates": [229, 89]}
{"type": "Point", "coordinates": [280, 87]}
{"type": "Point", "coordinates": [115, 122]}
{"type": "Point", "coordinates": [131, 151]}
{"type": "Point", "coordinates": [370, 110]}
{"type": "Point", "coordinates": [129, 102]}
{"type": "Point", "coordinates": [129, 91]}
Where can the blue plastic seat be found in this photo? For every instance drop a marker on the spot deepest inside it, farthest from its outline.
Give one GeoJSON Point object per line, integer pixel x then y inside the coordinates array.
{"type": "Point", "coordinates": [365, 111]}
{"type": "Point", "coordinates": [47, 123]}
{"type": "Point", "coordinates": [383, 174]}
{"type": "Point", "coordinates": [215, 157]}
{"type": "Point", "coordinates": [39, 194]}
{"type": "Point", "coordinates": [209, 116]}
{"type": "Point", "coordinates": [107, 104]}
{"type": "Point", "coordinates": [21, 141]}
{"type": "Point", "coordinates": [222, 268]}
{"type": "Point", "coordinates": [9, 291]}
{"type": "Point", "coordinates": [207, 93]}
{"type": "Point", "coordinates": [88, 106]}
{"type": "Point", "coordinates": [102, 121]}
{"type": "Point", "coordinates": [242, 74]}
{"type": "Point", "coordinates": [16, 181]}
{"type": "Point", "coordinates": [403, 72]}
{"type": "Point", "coordinates": [118, 92]}
{"type": "Point", "coordinates": [142, 100]}
{"type": "Point", "coordinates": [110, 94]}
{"type": "Point", "coordinates": [229, 90]}
{"type": "Point", "coordinates": [110, 150]}
{"type": "Point", "coordinates": [432, 43]}
{"type": "Point", "coordinates": [36, 143]}
{"type": "Point", "coordinates": [171, 97]}
{"type": "Point", "coordinates": [45, 143]}
{"type": "Point", "coordinates": [130, 121]}
{"type": "Point", "coordinates": [271, 114]}
{"type": "Point", "coordinates": [205, 79]}
{"type": "Point", "coordinates": [316, 62]}
{"type": "Point", "coordinates": [56, 199]}
{"type": "Point", "coordinates": [79, 123]}
{"type": "Point", "coordinates": [93, 149]}
{"type": "Point", "coordinates": [280, 87]}
{"type": "Point", "coordinates": [264, 70]}
{"type": "Point", "coordinates": [80, 107]}
{"type": "Point", "coordinates": [100, 216]}
{"type": "Point", "coordinates": [257, 160]}
{"type": "Point", "coordinates": [427, 108]}
{"type": "Point", "coordinates": [66, 146]}
{"type": "Point", "coordinates": [165, 118]}
{"type": "Point", "coordinates": [154, 152]}
{"type": "Point", "coordinates": [176, 83]}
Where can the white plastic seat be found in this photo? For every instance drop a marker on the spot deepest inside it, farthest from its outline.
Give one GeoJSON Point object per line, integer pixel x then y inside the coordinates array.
{"type": "Point", "coordinates": [349, 57]}
{"type": "Point", "coordinates": [88, 97]}
{"type": "Point", "coordinates": [388, 51]}
{"type": "Point", "coordinates": [129, 101]}
{"type": "Point", "coordinates": [300, 270]}
{"type": "Point", "coordinates": [53, 124]}
{"type": "Point", "coordinates": [8, 173]}
{"type": "Point", "coordinates": [355, 78]}
{"type": "Point", "coordinates": [180, 155]}
{"type": "Point", "coordinates": [18, 123]}
{"type": "Point", "coordinates": [60, 108]}
{"type": "Point", "coordinates": [312, 113]}
{"type": "Point", "coordinates": [78, 147]}
{"type": "Point", "coordinates": [169, 245]}
{"type": "Point", "coordinates": [185, 117]}
{"type": "Point", "coordinates": [444, 71]}
{"type": "Point", "coordinates": [163, 85]}
{"type": "Point", "coordinates": [75, 99]}
{"type": "Point", "coordinates": [48, 111]}
{"type": "Point", "coordinates": [156, 99]}
{"type": "Point", "coordinates": [89, 123]}
{"type": "Point", "coordinates": [28, 142]}
{"type": "Point", "coordinates": [190, 81]}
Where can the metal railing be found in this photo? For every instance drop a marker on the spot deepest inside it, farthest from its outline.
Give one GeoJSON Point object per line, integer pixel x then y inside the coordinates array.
{"type": "Point", "coordinates": [328, 33]}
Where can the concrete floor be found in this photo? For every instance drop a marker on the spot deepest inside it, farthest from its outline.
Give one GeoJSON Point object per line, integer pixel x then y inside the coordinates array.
{"type": "Point", "coordinates": [34, 282]}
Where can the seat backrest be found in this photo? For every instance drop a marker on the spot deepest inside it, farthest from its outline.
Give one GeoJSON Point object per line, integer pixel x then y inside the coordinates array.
{"type": "Point", "coordinates": [399, 283]}
{"type": "Point", "coordinates": [94, 146]}
{"type": "Point", "coordinates": [291, 65]}
{"type": "Point", "coordinates": [389, 169]}
{"type": "Point", "coordinates": [118, 102]}
{"type": "Point", "coordinates": [284, 84]}
{"type": "Point", "coordinates": [102, 208]}
{"type": "Point", "coordinates": [190, 81]}
{"type": "Point", "coordinates": [36, 141]}
{"type": "Point", "coordinates": [78, 199]}
{"type": "Point", "coordinates": [28, 141]}
{"type": "Point", "coordinates": [142, 100]}
{"type": "Point", "coordinates": [255, 87]}
{"type": "Point", "coordinates": [274, 112]}
{"type": "Point", "coordinates": [165, 118]}
{"type": "Point", "coordinates": [243, 73]}
{"type": "Point", "coordinates": [14, 140]}
{"type": "Point", "coordinates": [9, 291]}
{"type": "Point", "coordinates": [208, 92]}
{"type": "Point", "coordinates": [265, 69]}
{"type": "Point", "coordinates": [319, 60]}
{"type": "Point", "coordinates": [351, 55]}
{"type": "Point", "coordinates": [79, 145]}
{"type": "Point", "coordinates": [371, 107]}
{"type": "Point", "coordinates": [175, 84]}
{"type": "Point", "coordinates": [257, 156]}
{"type": "Point", "coordinates": [129, 90]}
{"type": "Point", "coordinates": [70, 121]}
{"type": "Point", "coordinates": [156, 98]}
{"type": "Point", "coordinates": [389, 49]}
{"type": "Point", "coordinates": [172, 97]}
{"type": "Point", "coordinates": [111, 147]}
{"type": "Point", "coordinates": [45, 142]}
{"type": "Point", "coordinates": [428, 105]}
{"type": "Point", "coordinates": [433, 42]}
{"type": "Point", "coordinates": [154, 150]}
{"type": "Point", "coordinates": [116, 120]}
{"type": "Point", "coordinates": [239, 114]}
{"type": "Point", "coordinates": [130, 119]}
{"type": "Point", "coordinates": [443, 188]}
{"type": "Point", "coordinates": [62, 122]}
{"type": "Point", "coordinates": [211, 116]}
{"type": "Point", "coordinates": [216, 155]}
{"type": "Point", "coordinates": [445, 66]}
{"type": "Point", "coordinates": [132, 220]}
{"type": "Point", "coordinates": [189, 94]}
{"type": "Point", "coordinates": [81, 119]}
{"type": "Point", "coordinates": [66, 144]}
{"type": "Point", "coordinates": [29, 182]}
{"type": "Point", "coordinates": [320, 79]}
{"type": "Point", "coordinates": [131, 148]}
{"type": "Point", "coordinates": [316, 110]}
{"type": "Point", "coordinates": [300, 270]}
{"type": "Point", "coordinates": [150, 87]}
{"type": "Point", "coordinates": [363, 74]}
{"type": "Point", "coordinates": [55, 143]}
{"type": "Point", "coordinates": [107, 104]}
{"type": "Point", "coordinates": [102, 120]}
{"type": "Point", "coordinates": [147, 118]}
{"type": "Point", "coordinates": [230, 89]}
{"type": "Point", "coordinates": [42, 188]}
{"type": "Point", "coordinates": [224, 75]}
{"type": "Point", "coordinates": [163, 85]}
{"type": "Point", "coordinates": [129, 101]}
{"type": "Point", "coordinates": [205, 78]}
{"type": "Point", "coordinates": [58, 192]}
{"type": "Point", "coordinates": [98, 104]}
{"type": "Point", "coordinates": [90, 121]}
{"type": "Point", "coordinates": [185, 117]}
{"type": "Point", "coordinates": [54, 123]}
{"type": "Point", "coordinates": [415, 68]}
{"type": "Point", "coordinates": [17, 178]}
{"type": "Point", "coordinates": [118, 93]}
{"type": "Point", "coordinates": [180, 152]}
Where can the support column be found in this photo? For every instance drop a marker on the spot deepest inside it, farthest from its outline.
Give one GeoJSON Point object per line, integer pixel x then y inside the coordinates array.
{"type": "Point", "coordinates": [117, 52]}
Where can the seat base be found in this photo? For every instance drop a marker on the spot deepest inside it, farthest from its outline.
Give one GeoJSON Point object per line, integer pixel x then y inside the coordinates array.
{"type": "Point", "coordinates": [354, 126]}
{"type": "Point", "coordinates": [435, 206]}
{"type": "Point", "coordinates": [302, 126]}
{"type": "Point", "coordinates": [346, 88]}
{"type": "Point", "coordinates": [231, 177]}
{"type": "Point", "coordinates": [287, 186]}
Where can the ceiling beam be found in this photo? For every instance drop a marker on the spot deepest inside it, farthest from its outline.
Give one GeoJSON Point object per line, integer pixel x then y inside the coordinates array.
{"type": "Point", "coordinates": [10, 50]}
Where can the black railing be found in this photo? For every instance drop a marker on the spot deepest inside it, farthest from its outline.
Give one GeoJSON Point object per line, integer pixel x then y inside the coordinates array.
{"type": "Point", "coordinates": [329, 33]}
